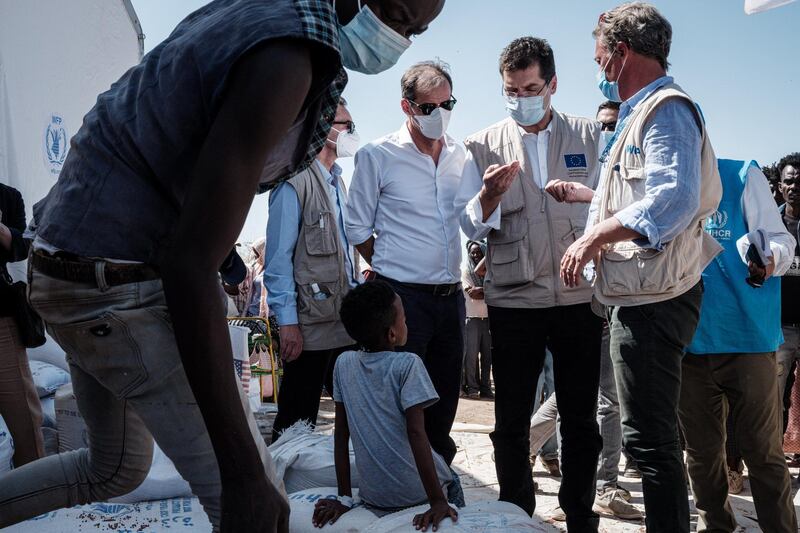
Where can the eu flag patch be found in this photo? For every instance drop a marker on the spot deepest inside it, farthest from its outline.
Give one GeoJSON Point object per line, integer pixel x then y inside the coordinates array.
{"type": "Point", "coordinates": [575, 160]}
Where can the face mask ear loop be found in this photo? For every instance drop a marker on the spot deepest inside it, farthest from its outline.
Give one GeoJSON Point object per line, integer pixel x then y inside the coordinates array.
{"type": "Point", "coordinates": [620, 70]}
{"type": "Point", "coordinates": [604, 67]}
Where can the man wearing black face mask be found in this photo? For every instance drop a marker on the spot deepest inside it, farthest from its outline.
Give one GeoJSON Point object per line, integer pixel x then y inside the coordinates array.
{"type": "Point", "coordinates": [401, 199]}
{"type": "Point", "coordinates": [240, 96]}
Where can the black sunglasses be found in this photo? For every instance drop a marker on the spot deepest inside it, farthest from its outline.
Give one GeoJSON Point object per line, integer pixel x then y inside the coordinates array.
{"type": "Point", "coordinates": [351, 126]}
{"type": "Point", "coordinates": [427, 109]}
{"type": "Point", "coordinates": [608, 126]}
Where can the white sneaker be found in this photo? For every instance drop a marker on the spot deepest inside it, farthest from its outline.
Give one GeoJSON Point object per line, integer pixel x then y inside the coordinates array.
{"type": "Point", "coordinates": [612, 502]}
{"type": "Point", "coordinates": [558, 515]}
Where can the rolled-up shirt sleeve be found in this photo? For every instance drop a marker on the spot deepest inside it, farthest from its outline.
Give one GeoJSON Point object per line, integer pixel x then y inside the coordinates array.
{"type": "Point", "coordinates": [468, 205]}
{"type": "Point", "coordinates": [362, 198]}
{"type": "Point", "coordinates": [283, 230]}
{"type": "Point", "coordinates": [672, 145]}
{"type": "Point", "coordinates": [761, 212]}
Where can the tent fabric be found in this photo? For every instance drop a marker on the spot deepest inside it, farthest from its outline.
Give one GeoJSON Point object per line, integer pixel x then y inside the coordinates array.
{"type": "Point", "coordinates": [757, 6]}
{"type": "Point", "coordinates": [55, 58]}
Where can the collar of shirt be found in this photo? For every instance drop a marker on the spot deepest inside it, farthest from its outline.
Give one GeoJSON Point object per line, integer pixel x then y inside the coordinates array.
{"type": "Point", "coordinates": [404, 138]}
{"type": "Point", "coordinates": [526, 134]}
{"type": "Point", "coordinates": [332, 175]}
{"type": "Point", "coordinates": [627, 107]}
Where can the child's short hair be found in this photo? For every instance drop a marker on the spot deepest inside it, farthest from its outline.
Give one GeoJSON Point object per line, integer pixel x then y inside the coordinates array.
{"type": "Point", "coordinates": [368, 312]}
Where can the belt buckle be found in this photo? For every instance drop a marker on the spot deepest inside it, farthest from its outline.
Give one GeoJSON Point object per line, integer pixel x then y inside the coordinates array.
{"type": "Point", "coordinates": [442, 290]}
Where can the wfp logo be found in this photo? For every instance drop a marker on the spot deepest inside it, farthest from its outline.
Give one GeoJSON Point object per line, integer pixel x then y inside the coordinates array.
{"type": "Point", "coordinates": [715, 225]}
{"type": "Point", "coordinates": [55, 143]}
{"type": "Point", "coordinates": [111, 510]}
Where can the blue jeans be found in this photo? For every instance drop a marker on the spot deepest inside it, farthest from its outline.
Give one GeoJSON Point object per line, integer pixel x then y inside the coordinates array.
{"type": "Point", "coordinates": [608, 420]}
{"type": "Point", "coordinates": [647, 346]}
{"type": "Point", "coordinates": [546, 385]}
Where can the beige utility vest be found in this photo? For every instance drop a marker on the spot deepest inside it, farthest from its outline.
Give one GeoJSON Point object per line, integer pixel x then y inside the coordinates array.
{"type": "Point", "coordinates": [535, 230]}
{"type": "Point", "coordinates": [631, 275]}
{"type": "Point", "coordinates": [319, 259]}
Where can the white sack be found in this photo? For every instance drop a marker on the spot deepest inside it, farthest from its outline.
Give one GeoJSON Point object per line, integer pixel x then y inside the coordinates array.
{"type": "Point", "coordinates": [490, 516]}
{"type": "Point", "coordinates": [166, 516]}
{"type": "Point", "coordinates": [305, 460]}
{"type": "Point", "coordinates": [302, 510]}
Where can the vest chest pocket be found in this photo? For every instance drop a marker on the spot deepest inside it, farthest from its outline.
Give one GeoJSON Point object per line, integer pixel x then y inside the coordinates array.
{"type": "Point", "coordinates": [627, 186]}
{"type": "Point", "coordinates": [320, 232]}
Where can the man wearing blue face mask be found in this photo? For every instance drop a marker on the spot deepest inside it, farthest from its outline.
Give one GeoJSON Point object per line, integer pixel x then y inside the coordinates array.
{"type": "Point", "coordinates": [154, 192]}
{"type": "Point", "coordinates": [659, 183]}
{"type": "Point", "coordinates": [502, 197]}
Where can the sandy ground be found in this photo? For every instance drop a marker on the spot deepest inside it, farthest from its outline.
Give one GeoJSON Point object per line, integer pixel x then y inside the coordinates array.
{"type": "Point", "coordinates": [474, 463]}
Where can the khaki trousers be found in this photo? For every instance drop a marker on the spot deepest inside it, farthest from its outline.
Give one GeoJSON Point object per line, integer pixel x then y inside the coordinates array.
{"type": "Point", "coordinates": [745, 384]}
{"type": "Point", "coordinates": [19, 403]}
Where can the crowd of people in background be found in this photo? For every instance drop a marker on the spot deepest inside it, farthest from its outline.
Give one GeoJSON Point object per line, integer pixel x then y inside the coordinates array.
{"type": "Point", "coordinates": [619, 291]}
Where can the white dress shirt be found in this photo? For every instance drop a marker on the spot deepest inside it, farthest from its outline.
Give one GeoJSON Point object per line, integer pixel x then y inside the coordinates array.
{"type": "Point", "coordinates": [468, 204]}
{"type": "Point", "coordinates": [760, 212]}
{"type": "Point", "coordinates": [398, 194]}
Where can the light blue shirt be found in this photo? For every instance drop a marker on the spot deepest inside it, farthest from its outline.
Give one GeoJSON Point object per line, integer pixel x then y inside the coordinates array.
{"type": "Point", "coordinates": [672, 146]}
{"type": "Point", "coordinates": [283, 230]}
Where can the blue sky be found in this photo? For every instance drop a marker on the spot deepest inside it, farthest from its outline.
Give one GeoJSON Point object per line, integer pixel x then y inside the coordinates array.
{"type": "Point", "coordinates": [741, 69]}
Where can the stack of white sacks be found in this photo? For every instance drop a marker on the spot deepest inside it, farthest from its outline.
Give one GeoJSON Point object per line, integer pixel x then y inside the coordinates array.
{"type": "Point", "coordinates": [303, 459]}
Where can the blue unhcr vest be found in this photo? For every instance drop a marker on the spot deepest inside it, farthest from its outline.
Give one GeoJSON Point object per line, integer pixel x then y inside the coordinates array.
{"type": "Point", "coordinates": [735, 317]}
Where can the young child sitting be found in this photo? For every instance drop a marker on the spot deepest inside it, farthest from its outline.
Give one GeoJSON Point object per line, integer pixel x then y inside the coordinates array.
{"type": "Point", "coordinates": [380, 395]}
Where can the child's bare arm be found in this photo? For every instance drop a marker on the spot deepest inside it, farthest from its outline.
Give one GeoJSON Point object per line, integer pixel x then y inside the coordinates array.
{"type": "Point", "coordinates": [421, 448]}
{"type": "Point", "coordinates": [329, 511]}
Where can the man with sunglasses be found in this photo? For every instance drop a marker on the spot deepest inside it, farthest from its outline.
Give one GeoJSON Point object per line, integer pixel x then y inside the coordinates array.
{"type": "Point", "coordinates": [502, 197]}
{"type": "Point", "coordinates": [310, 266]}
{"type": "Point", "coordinates": [400, 214]}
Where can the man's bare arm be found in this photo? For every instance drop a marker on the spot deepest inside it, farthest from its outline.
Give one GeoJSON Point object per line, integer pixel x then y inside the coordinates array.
{"type": "Point", "coordinates": [264, 96]}
{"type": "Point", "coordinates": [366, 249]}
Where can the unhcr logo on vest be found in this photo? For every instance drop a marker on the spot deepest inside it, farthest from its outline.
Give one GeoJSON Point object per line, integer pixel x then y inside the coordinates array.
{"type": "Point", "coordinates": [715, 225]}
{"type": "Point", "coordinates": [55, 144]}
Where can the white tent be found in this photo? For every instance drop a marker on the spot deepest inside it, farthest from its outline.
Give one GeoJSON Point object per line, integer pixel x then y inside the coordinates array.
{"type": "Point", "coordinates": [55, 58]}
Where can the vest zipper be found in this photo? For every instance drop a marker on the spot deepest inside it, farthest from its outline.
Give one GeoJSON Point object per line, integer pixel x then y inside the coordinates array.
{"type": "Point", "coordinates": [555, 261]}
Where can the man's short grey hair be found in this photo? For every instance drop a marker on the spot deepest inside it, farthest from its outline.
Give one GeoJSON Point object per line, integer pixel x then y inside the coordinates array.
{"type": "Point", "coordinates": [425, 76]}
{"type": "Point", "coordinates": [640, 26]}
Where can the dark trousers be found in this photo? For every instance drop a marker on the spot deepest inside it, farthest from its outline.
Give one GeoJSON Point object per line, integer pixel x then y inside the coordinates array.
{"type": "Point", "coordinates": [477, 340]}
{"type": "Point", "coordinates": [301, 386]}
{"type": "Point", "coordinates": [519, 338]}
{"type": "Point", "coordinates": [647, 346]}
{"type": "Point", "coordinates": [436, 334]}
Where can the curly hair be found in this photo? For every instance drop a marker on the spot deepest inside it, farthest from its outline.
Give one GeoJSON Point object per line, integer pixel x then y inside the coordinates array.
{"type": "Point", "coordinates": [640, 26]}
{"type": "Point", "coordinates": [528, 51]}
{"type": "Point", "coordinates": [368, 312]}
{"type": "Point", "coordinates": [792, 159]}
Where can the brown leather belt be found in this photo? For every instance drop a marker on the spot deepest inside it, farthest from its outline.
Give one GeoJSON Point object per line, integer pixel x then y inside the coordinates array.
{"type": "Point", "coordinates": [68, 267]}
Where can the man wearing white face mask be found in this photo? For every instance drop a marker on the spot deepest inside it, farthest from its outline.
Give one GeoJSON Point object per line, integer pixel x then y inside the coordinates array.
{"type": "Point", "coordinates": [502, 197]}
{"type": "Point", "coordinates": [402, 221]}
{"type": "Point", "coordinates": [310, 266]}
